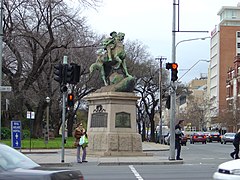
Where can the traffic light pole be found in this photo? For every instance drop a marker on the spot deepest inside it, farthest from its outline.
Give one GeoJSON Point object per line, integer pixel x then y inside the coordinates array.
{"type": "Point", "coordinates": [63, 115]}
{"type": "Point", "coordinates": [173, 89]}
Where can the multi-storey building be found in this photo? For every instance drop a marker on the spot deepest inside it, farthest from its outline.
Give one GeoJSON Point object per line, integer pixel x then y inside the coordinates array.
{"type": "Point", "coordinates": [225, 45]}
{"type": "Point", "coordinates": [233, 92]}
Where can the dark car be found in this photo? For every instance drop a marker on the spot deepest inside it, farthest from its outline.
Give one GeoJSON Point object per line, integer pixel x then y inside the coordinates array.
{"type": "Point", "coordinates": [214, 136]}
{"type": "Point", "coordinates": [15, 165]}
{"type": "Point", "coordinates": [198, 137]}
{"type": "Point", "coordinates": [227, 137]}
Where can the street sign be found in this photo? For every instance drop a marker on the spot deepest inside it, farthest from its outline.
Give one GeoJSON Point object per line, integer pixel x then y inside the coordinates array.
{"type": "Point", "coordinates": [16, 134]}
{"type": "Point", "coordinates": [30, 115]}
{"type": "Point", "coordinates": [5, 88]}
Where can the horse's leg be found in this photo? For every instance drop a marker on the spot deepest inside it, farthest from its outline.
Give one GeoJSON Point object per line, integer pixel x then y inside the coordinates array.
{"type": "Point", "coordinates": [125, 69]}
{"type": "Point", "coordinates": [119, 62]}
{"type": "Point", "coordinates": [103, 76]}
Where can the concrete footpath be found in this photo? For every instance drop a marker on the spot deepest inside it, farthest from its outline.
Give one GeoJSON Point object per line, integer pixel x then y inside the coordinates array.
{"type": "Point", "coordinates": [53, 157]}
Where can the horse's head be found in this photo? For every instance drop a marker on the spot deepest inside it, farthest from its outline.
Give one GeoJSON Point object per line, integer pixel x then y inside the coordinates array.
{"type": "Point", "coordinates": [121, 36]}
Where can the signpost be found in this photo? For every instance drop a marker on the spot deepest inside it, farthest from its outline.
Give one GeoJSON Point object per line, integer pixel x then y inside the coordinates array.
{"type": "Point", "coordinates": [16, 134]}
{"type": "Point", "coordinates": [30, 115]}
{"type": "Point", "coordinates": [5, 88]}
{"type": "Point", "coordinates": [2, 88]}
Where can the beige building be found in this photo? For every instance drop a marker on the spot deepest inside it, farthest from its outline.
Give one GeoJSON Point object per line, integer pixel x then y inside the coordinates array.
{"type": "Point", "coordinates": [198, 89]}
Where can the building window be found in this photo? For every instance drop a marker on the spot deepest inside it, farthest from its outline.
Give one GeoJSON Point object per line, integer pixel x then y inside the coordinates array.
{"type": "Point", "coordinates": [238, 34]}
{"type": "Point", "coordinates": [234, 14]}
{"type": "Point", "coordinates": [238, 45]}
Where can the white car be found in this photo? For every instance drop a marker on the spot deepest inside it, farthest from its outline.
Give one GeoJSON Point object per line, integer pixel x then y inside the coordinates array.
{"type": "Point", "coordinates": [228, 170]}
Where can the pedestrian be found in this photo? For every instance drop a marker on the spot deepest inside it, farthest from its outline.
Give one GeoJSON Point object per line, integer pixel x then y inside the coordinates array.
{"type": "Point", "coordinates": [178, 136]}
{"type": "Point", "coordinates": [236, 145]}
{"type": "Point", "coordinates": [84, 146]}
{"type": "Point", "coordinates": [78, 133]}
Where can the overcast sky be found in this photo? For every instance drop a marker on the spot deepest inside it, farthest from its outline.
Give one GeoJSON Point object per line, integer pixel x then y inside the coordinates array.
{"type": "Point", "coordinates": [150, 21]}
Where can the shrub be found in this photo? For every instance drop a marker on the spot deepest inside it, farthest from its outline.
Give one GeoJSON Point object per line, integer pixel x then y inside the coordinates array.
{"type": "Point", "coordinates": [5, 133]}
{"type": "Point", "coordinates": [26, 134]}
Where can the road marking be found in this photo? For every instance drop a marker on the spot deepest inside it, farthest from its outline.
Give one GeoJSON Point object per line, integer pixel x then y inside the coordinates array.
{"type": "Point", "coordinates": [137, 175]}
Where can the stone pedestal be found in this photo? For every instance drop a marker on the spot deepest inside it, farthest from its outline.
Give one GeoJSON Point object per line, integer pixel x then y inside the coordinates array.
{"type": "Point", "coordinates": [112, 126]}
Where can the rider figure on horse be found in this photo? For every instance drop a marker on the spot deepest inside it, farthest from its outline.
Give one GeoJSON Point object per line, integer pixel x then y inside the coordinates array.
{"type": "Point", "coordinates": [109, 44]}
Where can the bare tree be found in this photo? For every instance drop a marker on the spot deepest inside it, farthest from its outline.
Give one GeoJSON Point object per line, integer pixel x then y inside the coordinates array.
{"type": "Point", "coordinates": [36, 35]}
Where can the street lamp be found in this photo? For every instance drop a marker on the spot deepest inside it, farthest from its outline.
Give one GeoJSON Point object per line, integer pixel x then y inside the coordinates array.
{"type": "Point", "coordinates": [192, 67]}
{"type": "Point", "coordinates": [47, 129]}
{"type": "Point", "coordinates": [202, 38]}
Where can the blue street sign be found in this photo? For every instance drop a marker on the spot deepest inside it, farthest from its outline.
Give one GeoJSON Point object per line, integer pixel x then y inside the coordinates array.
{"type": "Point", "coordinates": [16, 134]}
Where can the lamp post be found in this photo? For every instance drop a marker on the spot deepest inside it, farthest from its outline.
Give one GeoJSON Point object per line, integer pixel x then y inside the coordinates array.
{"type": "Point", "coordinates": [47, 128]}
{"type": "Point", "coordinates": [160, 99]}
{"type": "Point", "coordinates": [173, 89]}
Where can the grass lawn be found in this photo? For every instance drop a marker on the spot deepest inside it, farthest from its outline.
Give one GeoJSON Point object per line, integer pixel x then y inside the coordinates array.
{"type": "Point", "coordinates": [55, 143]}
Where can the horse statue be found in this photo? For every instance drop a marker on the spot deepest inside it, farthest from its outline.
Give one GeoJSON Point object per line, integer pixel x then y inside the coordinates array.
{"type": "Point", "coordinates": [113, 58]}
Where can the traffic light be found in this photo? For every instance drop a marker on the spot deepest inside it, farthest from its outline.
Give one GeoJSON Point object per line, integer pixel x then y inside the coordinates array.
{"type": "Point", "coordinates": [168, 102]}
{"type": "Point", "coordinates": [168, 66]}
{"type": "Point", "coordinates": [58, 72]}
{"type": "Point", "coordinates": [76, 73]}
{"type": "Point", "coordinates": [68, 73]}
{"type": "Point", "coordinates": [174, 76]}
{"type": "Point", "coordinates": [70, 100]}
{"type": "Point", "coordinates": [72, 73]}
{"type": "Point", "coordinates": [174, 70]}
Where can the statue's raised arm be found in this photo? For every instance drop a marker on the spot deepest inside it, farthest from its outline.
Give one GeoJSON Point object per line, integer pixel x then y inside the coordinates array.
{"type": "Point", "coordinates": [111, 58]}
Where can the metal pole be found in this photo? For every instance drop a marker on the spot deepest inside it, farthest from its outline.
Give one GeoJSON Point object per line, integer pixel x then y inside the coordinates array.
{"type": "Point", "coordinates": [1, 35]}
{"type": "Point", "coordinates": [173, 92]}
{"type": "Point", "coordinates": [48, 101]}
{"type": "Point", "coordinates": [63, 116]}
{"type": "Point", "coordinates": [160, 103]}
{"type": "Point", "coordinates": [160, 99]}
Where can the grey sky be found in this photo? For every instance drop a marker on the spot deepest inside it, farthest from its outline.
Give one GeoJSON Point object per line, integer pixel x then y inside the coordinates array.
{"type": "Point", "coordinates": [150, 21]}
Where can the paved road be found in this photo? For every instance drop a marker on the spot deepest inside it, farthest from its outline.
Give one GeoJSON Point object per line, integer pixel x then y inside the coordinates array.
{"type": "Point", "coordinates": [200, 162]}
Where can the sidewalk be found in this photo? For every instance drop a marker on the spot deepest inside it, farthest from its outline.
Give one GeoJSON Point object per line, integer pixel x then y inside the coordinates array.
{"type": "Point", "coordinates": [53, 157]}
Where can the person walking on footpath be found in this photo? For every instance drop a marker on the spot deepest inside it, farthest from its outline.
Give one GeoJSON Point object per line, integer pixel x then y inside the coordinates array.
{"type": "Point", "coordinates": [236, 145]}
{"type": "Point", "coordinates": [178, 136]}
{"type": "Point", "coordinates": [78, 133]}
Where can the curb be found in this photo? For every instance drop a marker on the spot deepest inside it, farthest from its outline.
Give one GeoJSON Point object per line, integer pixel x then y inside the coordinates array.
{"type": "Point", "coordinates": [145, 150]}
{"type": "Point", "coordinates": [139, 163]}
{"type": "Point", "coordinates": [42, 152]}
{"type": "Point", "coordinates": [56, 164]}
{"type": "Point", "coordinates": [115, 163]}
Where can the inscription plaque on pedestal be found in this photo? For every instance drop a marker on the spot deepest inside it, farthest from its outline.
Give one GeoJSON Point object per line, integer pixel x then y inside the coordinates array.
{"type": "Point", "coordinates": [123, 120]}
{"type": "Point", "coordinates": [99, 119]}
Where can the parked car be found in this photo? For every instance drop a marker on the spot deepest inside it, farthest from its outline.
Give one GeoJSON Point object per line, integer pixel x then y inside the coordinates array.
{"type": "Point", "coordinates": [214, 136]}
{"type": "Point", "coordinates": [198, 137]}
{"type": "Point", "coordinates": [207, 134]}
{"type": "Point", "coordinates": [227, 137]}
{"type": "Point", "coordinates": [228, 170]}
{"type": "Point", "coordinates": [15, 165]}
{"type": "Point", "coordinates": [183, 140]}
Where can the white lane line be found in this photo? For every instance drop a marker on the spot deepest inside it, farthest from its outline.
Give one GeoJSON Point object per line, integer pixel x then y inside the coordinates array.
{"type": "Point", "coordinates": [137, 175]}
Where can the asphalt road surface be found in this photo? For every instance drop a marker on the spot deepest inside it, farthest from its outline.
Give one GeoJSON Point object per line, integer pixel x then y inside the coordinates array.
{"type": "Point", "coordinates": [200, 162]}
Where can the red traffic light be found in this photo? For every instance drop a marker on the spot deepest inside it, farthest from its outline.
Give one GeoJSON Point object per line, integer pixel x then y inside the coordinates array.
{"type": "Point", "coordinates": [174, 65]}
{"type": "Point", "coordinates": [70, 97]}
{"type": "Point", "coordinates": [70, 100]}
